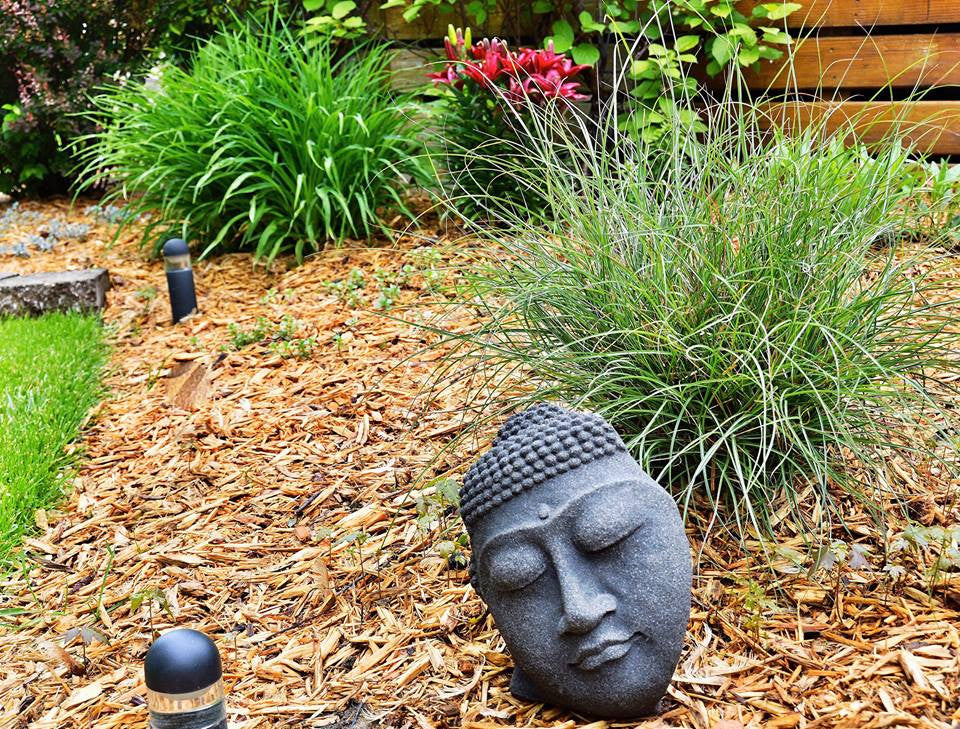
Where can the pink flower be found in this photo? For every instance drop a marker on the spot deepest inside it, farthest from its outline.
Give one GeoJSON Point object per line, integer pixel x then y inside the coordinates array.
{"type": "Point", "coordinates": [535, 75]}
{"type": "Point", "coordinates": [448, 75]}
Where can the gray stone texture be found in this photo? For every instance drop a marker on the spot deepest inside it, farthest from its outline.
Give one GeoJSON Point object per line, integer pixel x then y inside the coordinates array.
{"type": "Point", "coordinates": [583, 561]}
{"type": "Point", "coordinates": [37, 293]}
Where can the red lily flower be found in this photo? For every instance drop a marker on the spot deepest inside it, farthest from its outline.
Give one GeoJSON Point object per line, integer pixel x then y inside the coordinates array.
{"type": "Point", "coordinates": [536, 75]}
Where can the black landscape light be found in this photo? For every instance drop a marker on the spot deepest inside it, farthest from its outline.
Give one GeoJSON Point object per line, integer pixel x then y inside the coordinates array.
{"type": "Point", "coordinates": [183, 294]}
{"type": "Point", "coordinates": [184, 682]}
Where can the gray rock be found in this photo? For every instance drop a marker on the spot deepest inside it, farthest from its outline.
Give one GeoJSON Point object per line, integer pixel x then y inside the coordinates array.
{"type": "Point", "coordinates": [6, 274]}
{"type": "Point", "coordinates": [62, 291]}
{"type": "Point", "coordinates": [583, 561]}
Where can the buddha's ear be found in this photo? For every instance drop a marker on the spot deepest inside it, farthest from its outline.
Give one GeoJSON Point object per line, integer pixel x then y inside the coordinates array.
{"type": "Point", "coordinates": [522, 687]}
{"type": "Point", "coordinates": [474, 577]}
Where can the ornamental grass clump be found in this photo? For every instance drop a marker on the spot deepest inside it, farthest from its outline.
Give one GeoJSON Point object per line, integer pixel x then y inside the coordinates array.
{"type": "Point", "coordinates": [721, 300]}
{"type": "Point", "coordinates": [267, 142]}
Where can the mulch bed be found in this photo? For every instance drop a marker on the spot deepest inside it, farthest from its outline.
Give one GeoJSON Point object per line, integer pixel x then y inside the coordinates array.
{"type": "Point", "coordinates": [272, 502]}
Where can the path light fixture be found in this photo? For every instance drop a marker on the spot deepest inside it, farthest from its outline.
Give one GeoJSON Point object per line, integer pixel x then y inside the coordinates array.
{"type": "Point", "coordinates": [184, 682]}
{"type": "Point", "coordinates": [183, 293]}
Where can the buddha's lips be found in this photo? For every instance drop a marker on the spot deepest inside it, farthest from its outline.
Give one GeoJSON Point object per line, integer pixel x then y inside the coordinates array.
{"type": "Point", "coordinates": [610, 649]}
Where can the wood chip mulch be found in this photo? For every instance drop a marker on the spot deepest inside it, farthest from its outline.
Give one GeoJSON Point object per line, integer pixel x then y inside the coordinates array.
{"type": "Point", "coordinates": [276, 500]}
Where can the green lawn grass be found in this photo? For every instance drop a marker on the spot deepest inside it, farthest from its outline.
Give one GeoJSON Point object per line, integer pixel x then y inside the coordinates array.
{"type": "Point", "coordinates": [49, 380]}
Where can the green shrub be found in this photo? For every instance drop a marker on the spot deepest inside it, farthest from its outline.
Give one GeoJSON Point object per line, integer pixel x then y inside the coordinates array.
{"type": "Point", "coordinates": [722, 302]}
{"type": "Point", "coordinates": [266, 143]}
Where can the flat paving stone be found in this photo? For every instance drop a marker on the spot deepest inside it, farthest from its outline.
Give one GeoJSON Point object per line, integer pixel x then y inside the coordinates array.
{"type": "Point", "coordinates": [38, 293]}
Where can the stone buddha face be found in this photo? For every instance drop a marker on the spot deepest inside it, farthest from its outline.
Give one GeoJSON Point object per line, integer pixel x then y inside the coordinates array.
{"type": "Point", "coordinates": [587, 575]}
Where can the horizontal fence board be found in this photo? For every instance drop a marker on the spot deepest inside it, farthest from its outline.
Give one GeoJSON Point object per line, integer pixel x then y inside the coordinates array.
{"type": "Point", "coordinates": [899, 61]}
{"type": "Point", "coordinates": [410, 67]}
{"type": "Point", "coordinates": [933, 126]}
{"type": "Point", "coordinates": [433, 22]}
{"type": "Point", "coordinates": [867, 13]}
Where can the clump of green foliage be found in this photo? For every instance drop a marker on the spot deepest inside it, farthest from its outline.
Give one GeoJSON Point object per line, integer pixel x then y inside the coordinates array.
{"type": "Point", "coordinates": [265, 142]}
{"type": "Point", "coordinates": [49, 380]}
{"type": "Point", "coordinates": [281, 337]}
{"type": "Point", "coordinates": [721, 298]}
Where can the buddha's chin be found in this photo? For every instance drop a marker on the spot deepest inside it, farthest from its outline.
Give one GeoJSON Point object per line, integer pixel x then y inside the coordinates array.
{"type": "Point", "coordinates": [607, 686]}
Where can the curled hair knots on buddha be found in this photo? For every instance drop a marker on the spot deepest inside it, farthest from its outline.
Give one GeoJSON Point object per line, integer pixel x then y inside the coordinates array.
{"type": "Point", "coordinates": [532, 447]}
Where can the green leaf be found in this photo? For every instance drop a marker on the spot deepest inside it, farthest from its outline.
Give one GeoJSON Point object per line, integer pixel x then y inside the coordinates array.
{"type": "Point", "coordinates": [342, 9]}
{"type": "Point", "coordinates": [589, 25]}
{"type": "Point", "coordinates": [314, 5]}
{"type": "Point", "coordinates": [722, 50]}
{"type": "Point", "coordinates": [744, 32]}
{"type": "Point", "coordinates": [748, 56]}
{"type": "Point", "coordinates": [625, 26]}
{"type": "Point", "coordinates": [778, 11]}
{"type": "Point", "coordinates": [768, 53]}
{"type": "Point", "coordinates": [639, 69]}
{"type": "Point", "coordinates": [685, 42]}
{"type": "Point", "coordinates": [776, 36]}
{"type": "Point", "coordinates": [542, 6]}
{"type": "Point", "coordinates": [411, 13]}
{"type": "Point", "coordinates": [478, 10]}
{"type": "Point", "coordinates": [586, 54]}
{"type": "Point", "coordinates": [562, 36]}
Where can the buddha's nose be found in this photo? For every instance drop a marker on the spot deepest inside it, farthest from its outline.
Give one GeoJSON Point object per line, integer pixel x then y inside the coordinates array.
{"type": "Point", "coordinates": [584, 600]}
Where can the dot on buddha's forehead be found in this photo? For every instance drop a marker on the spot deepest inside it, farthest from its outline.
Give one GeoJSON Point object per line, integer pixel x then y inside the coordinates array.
{"type": "Point", "coordinates": [544, 511]}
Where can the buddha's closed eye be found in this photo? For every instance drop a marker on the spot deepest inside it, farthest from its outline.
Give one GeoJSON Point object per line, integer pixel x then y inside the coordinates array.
{"type": "Point", "coordinates": [516, 566]}
{"type": "Point", "coordinates": [606, 523]}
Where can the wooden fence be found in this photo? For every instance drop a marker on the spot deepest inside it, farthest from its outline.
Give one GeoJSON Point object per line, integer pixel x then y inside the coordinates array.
{"type": "Point", "coordinates": [871, 63]}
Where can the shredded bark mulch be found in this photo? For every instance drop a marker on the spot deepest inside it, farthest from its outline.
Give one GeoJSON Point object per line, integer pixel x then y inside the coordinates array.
{"type": "Point", "coordinates": [286, 497]}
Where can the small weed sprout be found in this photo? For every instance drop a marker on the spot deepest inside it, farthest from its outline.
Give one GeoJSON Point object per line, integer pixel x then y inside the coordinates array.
{"type": "Point", "coordinates": [387, 298]}
{"type": "Point", "coordinates": [241, 338]}
{"type": "Point", "coordinates": [756, 606]}
{"type": "Point", "coordinates": [429, 261]}
{"type": "Point", "coordinates": [348, 290]}
{"type": "Point", "coordinates": [936, 547]}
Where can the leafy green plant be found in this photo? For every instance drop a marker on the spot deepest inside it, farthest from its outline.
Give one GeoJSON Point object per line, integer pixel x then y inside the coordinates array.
{"type": "Point", "coordinates": [349, 288]}
{"type": "Point", "coordinates": [934, 205]}
{"type": "Point", "coordinates": [265, 143]}
{"type": "Point", "coordinates": [281, 337]}
{"type": "Point", "coordinates": [333, 18]}
{"type": "Point", "coordinates": [240, 337]}
{"type": "Point", "coordinates": [719, 298]}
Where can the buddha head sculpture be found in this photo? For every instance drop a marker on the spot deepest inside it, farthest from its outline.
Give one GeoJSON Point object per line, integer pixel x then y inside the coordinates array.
{"type": "Point", "coordinates": [583, 562]}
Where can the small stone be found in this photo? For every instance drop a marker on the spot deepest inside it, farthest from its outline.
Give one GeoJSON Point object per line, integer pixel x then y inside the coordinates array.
{"type": "Point", "coordinates": [62, 291]}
